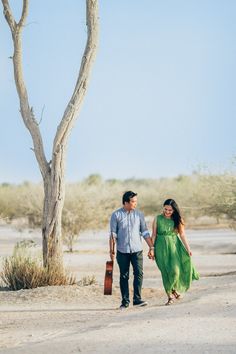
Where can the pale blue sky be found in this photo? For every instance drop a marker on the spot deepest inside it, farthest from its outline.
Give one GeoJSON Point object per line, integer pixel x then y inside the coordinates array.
{"type": "Point", "coordinates": [161, 99]}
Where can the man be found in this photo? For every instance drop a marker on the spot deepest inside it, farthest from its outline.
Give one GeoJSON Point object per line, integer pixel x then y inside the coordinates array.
{"type": "Point", "coordinates": [127, 225]}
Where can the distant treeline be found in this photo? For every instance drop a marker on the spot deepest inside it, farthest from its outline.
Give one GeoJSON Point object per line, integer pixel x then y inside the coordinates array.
{"type": "Point", "coordinates": [89, 203]}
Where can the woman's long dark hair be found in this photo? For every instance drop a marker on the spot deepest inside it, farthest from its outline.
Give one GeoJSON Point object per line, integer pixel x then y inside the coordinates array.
{"type": "Point", "coordinates": [176, 216]}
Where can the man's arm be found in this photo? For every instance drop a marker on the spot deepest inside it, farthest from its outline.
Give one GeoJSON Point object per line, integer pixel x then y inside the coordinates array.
{"type": "Point", "coordinates": [145, 233]}
{"type": "Point", "coordinates": [151, 247]}
{"type": "Point", "coordinates": [113, 235]}
{"type": "Point", "coordinates": [112, 243]}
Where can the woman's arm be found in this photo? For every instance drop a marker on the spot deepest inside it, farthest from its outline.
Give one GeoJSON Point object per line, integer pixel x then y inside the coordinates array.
{"type": "Point", "coordinates": [154, 230]}
{"type": "Point", "coordinates": [184, 239]}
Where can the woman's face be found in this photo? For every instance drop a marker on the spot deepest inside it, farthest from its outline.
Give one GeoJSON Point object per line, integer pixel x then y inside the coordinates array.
{"type": "Point", "coordinates": [168, 211]}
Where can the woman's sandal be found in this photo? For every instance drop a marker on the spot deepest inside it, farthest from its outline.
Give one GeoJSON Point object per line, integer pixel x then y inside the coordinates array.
{"type": "Point", "coordinates": [170, 301]}
{"type": "Point", "coordinates": [176, 295]}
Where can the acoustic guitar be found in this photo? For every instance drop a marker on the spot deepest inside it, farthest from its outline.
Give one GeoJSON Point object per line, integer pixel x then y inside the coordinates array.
{"type": "Point", "coordinates": [108, 278]}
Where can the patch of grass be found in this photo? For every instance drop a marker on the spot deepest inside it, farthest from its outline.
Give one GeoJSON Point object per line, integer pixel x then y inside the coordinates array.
{"type": "Point", "coordinates": [24, 270]}
{"type": "Point", "coordinates": [88, 280]}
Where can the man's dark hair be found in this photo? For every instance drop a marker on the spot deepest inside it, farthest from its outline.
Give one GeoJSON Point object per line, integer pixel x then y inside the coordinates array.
{"type": "Point", "coordinates": [127, 196]}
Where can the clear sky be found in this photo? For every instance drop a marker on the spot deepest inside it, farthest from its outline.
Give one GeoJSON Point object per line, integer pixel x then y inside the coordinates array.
{"type": "Point", "coordinates": [161, 99]}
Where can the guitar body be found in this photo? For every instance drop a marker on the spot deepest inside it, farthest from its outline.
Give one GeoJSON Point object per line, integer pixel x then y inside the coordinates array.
{"type": "Point", "coordinates": [108, 278]}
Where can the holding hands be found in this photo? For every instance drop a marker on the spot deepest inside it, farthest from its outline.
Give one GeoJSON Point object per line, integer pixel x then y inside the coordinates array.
{"type": "Point", "coordinates": [151, 253]}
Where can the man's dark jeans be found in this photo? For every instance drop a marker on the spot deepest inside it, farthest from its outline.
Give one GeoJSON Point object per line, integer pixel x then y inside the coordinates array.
{"type": "Point", "coordinates": [124, 260]}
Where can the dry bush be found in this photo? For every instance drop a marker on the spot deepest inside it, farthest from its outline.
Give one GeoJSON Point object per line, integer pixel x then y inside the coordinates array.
{"type": "Point", "coordinates": [220, 199]}
{"type": "Point", "coordinates": [71, 228]}
{"type": "Point", "coordinates": [88, 280]}
{"type": "Point", "coordinates": [22, 201]}
{"type": "Point", "coordinates": [89, 204]}
{"type": "Point", "coordinates": [24, 270]}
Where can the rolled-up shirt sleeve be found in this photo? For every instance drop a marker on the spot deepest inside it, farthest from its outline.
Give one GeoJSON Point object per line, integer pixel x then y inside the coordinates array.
{"type": "Point", "coordinates": [143, 227]}
{"type": "Point", "coordinates": [113, 226]}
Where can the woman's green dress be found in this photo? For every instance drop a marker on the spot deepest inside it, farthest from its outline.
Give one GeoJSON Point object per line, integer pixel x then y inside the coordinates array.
{"type": "Point", "coordinates": [172, 258]}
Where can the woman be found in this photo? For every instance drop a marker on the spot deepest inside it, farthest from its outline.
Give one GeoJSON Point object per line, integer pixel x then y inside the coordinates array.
{"type": "Point", "coordinates": [172, 251]}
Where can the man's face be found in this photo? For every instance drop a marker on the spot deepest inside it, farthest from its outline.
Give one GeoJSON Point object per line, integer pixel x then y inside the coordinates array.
{"type": "Point", "coordinates": [132, 203]}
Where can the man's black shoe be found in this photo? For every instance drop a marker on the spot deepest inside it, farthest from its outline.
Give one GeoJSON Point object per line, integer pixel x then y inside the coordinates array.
{"type": "Point", "coordinates": [140, 303]}
{"type": "Point", "coordinates": [124, 306]}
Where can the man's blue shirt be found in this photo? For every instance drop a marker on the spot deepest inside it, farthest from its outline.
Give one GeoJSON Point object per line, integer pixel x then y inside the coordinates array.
{"type": "Point", "coordinates": [128, 228]}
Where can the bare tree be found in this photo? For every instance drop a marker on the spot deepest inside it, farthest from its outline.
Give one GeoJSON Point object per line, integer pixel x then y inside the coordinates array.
{"type": "Point", "coordinates": [52, 171]}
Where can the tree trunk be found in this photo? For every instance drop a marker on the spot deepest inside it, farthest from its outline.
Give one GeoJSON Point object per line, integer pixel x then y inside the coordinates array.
{"type": "Point", "coordinates": [53, 171]}
{"type": "Point", "coordinates": [51, 222]}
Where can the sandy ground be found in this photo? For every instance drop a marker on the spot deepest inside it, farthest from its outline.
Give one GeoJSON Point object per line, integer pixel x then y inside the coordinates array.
{"type": "Point", "coordinates": [76, 319]}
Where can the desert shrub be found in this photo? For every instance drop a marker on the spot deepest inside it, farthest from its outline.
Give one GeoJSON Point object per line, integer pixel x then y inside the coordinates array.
{"type": "Point", "coordinates": [94, 179]}
{"type": "Point", "coordinates": [71, 228]}
{"type": "Point", "coordinates": [22, 201]}
{"type": "Point", "coordinates": [24, 244]}
{"type": "Point", "coordinates": [88, 280]}
{"type": "Point", "coordinates": [87, 207]}
{"type": "Point", "coordinates": [24, 270]}
{"type": "Point", "coordinates": [89, 204]}
{"type": "Point", "coordinates": [77, 215]}
{"type": "Point", "coordinates": [220, 199]}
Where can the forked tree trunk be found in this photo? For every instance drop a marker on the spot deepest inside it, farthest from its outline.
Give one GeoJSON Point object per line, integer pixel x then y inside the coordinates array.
{"type": "Point", "coordinates": [53, 171]}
